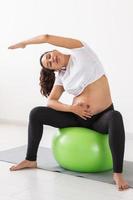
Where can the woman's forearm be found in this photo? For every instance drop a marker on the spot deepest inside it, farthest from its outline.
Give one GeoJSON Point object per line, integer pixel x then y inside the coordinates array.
{"type": "Point", "coordinates": [59, 106]}
{"type": "Point", "coordinates": [36, 40]}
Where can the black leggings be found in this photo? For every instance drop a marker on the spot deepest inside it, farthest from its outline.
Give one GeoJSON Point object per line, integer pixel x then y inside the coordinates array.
{"type": "Point", "coordinates": [108, 121]}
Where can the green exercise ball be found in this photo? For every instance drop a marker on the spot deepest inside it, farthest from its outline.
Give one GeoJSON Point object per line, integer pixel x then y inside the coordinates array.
{"type": "Point", "coordinates": [82, 150]}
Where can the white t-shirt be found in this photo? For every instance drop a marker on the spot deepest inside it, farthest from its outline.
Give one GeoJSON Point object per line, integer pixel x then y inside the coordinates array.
{"type": "Point", "coordinates": [83, 68]}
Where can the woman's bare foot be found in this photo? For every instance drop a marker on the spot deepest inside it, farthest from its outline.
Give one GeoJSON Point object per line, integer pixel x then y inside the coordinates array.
{"type": "Point", "coordinates": [120, 182]}
{"type": "Point", "coordinates": [24, 164]}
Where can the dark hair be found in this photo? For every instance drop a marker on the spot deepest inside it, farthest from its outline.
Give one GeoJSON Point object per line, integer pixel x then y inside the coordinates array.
{"type": "Point", "coordinates": [47, 78]}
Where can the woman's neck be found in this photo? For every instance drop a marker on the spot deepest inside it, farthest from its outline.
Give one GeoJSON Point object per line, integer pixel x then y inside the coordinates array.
{"type": "Point", "coordinates": [66, 59]}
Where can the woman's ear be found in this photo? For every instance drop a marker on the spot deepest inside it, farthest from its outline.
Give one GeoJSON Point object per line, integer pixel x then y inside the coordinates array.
{"type": "Point", "coordinates": [63, 68]}
{"type": "Point", "coordinates": [55, 50]}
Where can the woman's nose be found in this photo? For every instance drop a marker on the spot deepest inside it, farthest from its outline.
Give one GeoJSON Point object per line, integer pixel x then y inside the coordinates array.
{"type": "Point", "coordinates": [53, 59]}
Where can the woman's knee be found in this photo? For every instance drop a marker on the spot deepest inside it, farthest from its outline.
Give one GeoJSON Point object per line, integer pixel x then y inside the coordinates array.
{"type": "Point", "coordinates": [35, 113]}
{"type": "Point", "coordinates": [115, 115]}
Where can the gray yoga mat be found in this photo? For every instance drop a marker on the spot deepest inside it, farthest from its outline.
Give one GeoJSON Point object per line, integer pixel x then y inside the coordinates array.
{"type": "Point", "coordinates": [46, 161]}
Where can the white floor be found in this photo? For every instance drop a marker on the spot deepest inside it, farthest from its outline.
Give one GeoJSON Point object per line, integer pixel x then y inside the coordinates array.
{"type": "Point", "coordinates": [35, 184]}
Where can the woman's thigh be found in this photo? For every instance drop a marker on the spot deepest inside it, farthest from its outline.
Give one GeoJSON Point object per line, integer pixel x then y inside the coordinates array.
{"type": "Point", "coordinates": [101, 123]}
{"type": "Point", "coordinates": [59, 119]}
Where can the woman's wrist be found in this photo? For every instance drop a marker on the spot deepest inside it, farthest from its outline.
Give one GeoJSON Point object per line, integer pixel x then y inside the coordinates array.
{"type": "Point", "coordinates": [70, 108]}
{"type": "Point", "coordinates": [36, 40]}
{"type": "Point", "coordinates": [23, 44]}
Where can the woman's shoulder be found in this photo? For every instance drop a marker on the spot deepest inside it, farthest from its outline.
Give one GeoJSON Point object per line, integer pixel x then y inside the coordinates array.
{"type": "Point", "coordinates": [84, 50]}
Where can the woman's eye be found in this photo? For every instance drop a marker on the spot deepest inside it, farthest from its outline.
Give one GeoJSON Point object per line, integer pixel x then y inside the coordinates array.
{"type": "Point", "coordinates": [48, 56]}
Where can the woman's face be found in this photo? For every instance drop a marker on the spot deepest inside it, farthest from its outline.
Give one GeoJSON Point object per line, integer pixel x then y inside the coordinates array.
{"type": "Point", "coordinates": [53, 60]}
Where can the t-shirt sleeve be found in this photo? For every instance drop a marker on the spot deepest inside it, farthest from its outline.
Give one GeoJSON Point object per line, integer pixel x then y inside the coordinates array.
{"type": "Point", "coordinates": [86, 46]}
{"type": "Point", "coordinates": [58, 80]}
{"type": "Point", "coordinates": [84, 43]}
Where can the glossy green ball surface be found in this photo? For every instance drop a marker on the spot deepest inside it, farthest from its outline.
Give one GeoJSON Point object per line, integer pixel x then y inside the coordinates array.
{"type": "Point", "coordinates": [82, 149]}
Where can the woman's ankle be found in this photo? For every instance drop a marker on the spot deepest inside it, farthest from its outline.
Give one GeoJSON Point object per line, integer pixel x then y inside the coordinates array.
{"type": "Point", "coordinates": [118, 175]}
{"type": "Point", "coordinates": [31, 160]}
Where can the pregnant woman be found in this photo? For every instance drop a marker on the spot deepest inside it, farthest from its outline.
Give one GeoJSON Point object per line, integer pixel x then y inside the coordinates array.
{"type": "Point", "coordinates": [81, 74]}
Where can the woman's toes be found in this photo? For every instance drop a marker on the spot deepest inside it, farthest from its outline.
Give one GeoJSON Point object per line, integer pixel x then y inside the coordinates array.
{"type": "Point", "coordinates": [12, 168]}
{"type": "Point", "coordinates": [120, 189]}
{"type": "Point", "coordinates": [126, 186]}
{"type": "Point", "coordinates": [123, 187]}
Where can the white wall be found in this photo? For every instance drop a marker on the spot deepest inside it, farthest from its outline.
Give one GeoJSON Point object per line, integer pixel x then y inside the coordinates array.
{"type": "Point", "coordinates": [107, 26]}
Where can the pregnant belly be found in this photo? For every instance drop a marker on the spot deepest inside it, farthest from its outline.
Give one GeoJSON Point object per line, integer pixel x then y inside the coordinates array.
{"type": "Point", "coordinates": [95, 96]}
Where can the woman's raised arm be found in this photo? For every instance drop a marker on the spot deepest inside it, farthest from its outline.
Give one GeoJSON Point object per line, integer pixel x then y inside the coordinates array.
{"type": "Point", "coordinates": [64, 42]}
{"type": "Point", "coordinates": [51, 39]}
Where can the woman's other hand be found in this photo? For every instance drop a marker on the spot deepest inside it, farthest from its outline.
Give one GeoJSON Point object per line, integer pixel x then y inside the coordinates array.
{"type": "Point", "coordinates": [18, 45]}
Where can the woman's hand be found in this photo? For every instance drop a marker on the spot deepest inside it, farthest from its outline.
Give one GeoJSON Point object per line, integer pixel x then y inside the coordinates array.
{"type": "Point", "coordinates": [18, 45]}
{"type": "Point", "coordinates": [36, 40]}
{"type": "Point", "coordinates": [81, 110]}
